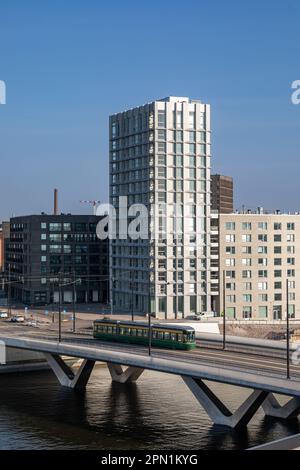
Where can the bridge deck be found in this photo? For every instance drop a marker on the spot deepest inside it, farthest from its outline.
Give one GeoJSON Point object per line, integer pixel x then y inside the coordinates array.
{"type": "Point", "coordinates": [239, 376]}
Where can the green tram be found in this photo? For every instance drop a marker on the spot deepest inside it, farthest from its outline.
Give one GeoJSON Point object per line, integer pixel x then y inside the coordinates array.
{"type": "Point", "coordinates": [163, 336]}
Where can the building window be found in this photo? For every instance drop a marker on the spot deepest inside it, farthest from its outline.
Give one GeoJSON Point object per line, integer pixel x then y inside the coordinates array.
{"type": "Point", "coordinates": [262, 273]}
{"type": "Point", "coordinates": [262, 286]}
{"type": "Point", "coordinates": [290, 238]}
{"type": "Point", "coordinates": [161, 147]}
{"type": "Point", "coordinates": [230, 225]}
{"type": "Point", "coordinates": [55, 237]}
{"type": "Point", "coordinates": [162, 303]}
{"type": "Point", "coordinates": [230, 274]}
{"type": "Point", "coordinates": [55, 248]}
{"type": "Point", "coordinates": [161, 159]}
{"type": "Point", "coordinates": [263, 261]}
{"type": "Point", "coordinates": [263, 297]}
{"type": "Point", "coordinates": [192, 120]}
{"type": "Point", "coordinates": [247, 298]}
{"type": "Point", "coordinates": [230, 238]}
{"type": "Point", "coordinates": [290, 226]}
{"type": "Point", "coordinates": [161, 134]}
{"type": "Point", "coordinates": [246, 238]}
{"type": "Point", "coordinates": [246, 274]}
{"type": "Point", "coordinates": [246, 225]}
{"type": "Point", "coordinates": [230, 262]}
{"type": "Point", "coordinates": [246, 261]}
{"type": "Point", "coordinates": [161, 119]}
{"type": "Point", "coordinates": [55, 227]}
{"type": "Point", "coordinates": [262, 225]}
{"type": "Point", "coordinates": [247, 312]}
{"type": "Point", "coordinates": [192, 148]}
{"type": "Point", "coordinates": [247, 285]}
{"type": "Point", "coordinates": [263, 312]}
{"type": "Point", "coordinates": [192, 136]}
{"type": "Point", "coordinates": [193, 304]}
{"type": "Point", "coordinates": [277, 312]}
{"type": "Point", "coordinates": [230, 312]}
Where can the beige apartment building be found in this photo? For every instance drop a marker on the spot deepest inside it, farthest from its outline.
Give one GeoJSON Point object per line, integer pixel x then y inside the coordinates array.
{"type": "Point", "coordinates": [259, 252]}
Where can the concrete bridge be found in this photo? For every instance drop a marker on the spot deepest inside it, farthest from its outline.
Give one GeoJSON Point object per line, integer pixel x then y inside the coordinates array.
{"type": "Point", "coordinates": [127, 365]}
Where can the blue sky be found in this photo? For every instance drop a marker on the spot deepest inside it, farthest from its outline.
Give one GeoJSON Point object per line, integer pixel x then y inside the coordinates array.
{"type": "Point", "coordinates": [68, 65]}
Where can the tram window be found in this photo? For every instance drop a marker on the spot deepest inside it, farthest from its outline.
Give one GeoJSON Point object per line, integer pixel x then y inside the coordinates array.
{"type": "Point", "coordinates": [154, 334]}
{"type": "Point", "coordinates": [179, 338]}
{"type": "Point", "coordinates": [139, 332]}
{"type": "Point", "coordinates": [114, 330]}
{"type": "Point", "coordinates": [133, 332]}
{"type": "Point", "coordinates": [191, 336]}
{"type": "Point", "coordinates": [185, 338]}
{"type": "Point", "coordinates": [160, 335]}
{"type": "Point", "coordinates": [167, 335]}
{"type": "Point", "coordinates": [145, 333]}
{"type": "Point", "coordinates": [109, 329]}
{"type": "Point", "coordinates": [173, 337]}
{"type": "Point", "coordinates": [122, 331]}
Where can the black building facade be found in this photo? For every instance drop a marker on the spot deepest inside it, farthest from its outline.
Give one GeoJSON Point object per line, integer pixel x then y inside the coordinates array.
{"type": "Point", "coordinates": [48, 251]}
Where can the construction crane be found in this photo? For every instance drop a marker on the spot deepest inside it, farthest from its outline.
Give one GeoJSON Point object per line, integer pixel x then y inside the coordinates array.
{"type": "Point", "coordinates": [93, 203]}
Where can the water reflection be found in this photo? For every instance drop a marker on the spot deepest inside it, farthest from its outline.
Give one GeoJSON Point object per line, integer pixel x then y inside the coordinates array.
{"type": "Point", "coordinates": [157, 412]}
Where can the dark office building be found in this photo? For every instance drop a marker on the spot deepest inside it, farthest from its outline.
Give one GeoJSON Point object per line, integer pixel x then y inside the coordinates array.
{"type": "Point", "coordinates": [222, 194]}
{"type": "Point", "coordinates": [45, 251]}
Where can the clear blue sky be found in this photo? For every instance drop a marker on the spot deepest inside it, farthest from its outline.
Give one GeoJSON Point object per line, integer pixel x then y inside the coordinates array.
{"type": "Point", "coordinates": [68, 65]}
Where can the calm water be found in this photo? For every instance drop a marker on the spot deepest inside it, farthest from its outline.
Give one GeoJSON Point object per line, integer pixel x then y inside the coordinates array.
{"type": "Point", "coordinates": [158, 412]}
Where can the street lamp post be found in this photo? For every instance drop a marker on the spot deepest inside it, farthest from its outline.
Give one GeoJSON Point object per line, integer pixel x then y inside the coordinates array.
{"type": "Point", "coordinates": [132, 306]}
{"type": "Point", "coordinates": [59, 308]}
{"type": "Point", "coordinates": [150, 334]}
{"type": "Point", "coordinates": [9, 291]}
{"type": "Point", "coordinates": [224, 309]}
{"type": "Point", "coordinates": [149, 322]}
{"type": "Point", "coordinates": [287, 332]}
{"type": "Point", "coordinates": [74, 302]}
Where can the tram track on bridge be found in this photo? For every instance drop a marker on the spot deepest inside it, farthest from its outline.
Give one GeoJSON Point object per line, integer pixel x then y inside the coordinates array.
{"type": "Point", "coordinates": [202, 355]}
{"type": "Point", "coordinates": [258, 364]}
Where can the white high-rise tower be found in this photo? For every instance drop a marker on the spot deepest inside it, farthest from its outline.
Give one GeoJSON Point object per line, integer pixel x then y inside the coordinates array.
{"type": "Point", "coordinates": [160, 155]}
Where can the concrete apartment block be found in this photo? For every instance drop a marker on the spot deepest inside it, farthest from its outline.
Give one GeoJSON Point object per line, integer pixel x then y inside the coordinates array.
{"type": "Point", "coordinates": [160, 154]}
{"type": "Point", "coordinates": [259, 252]}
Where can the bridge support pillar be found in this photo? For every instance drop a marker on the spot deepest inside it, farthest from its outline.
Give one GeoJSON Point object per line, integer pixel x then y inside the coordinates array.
{"type": "Point", "coordinates": [272, 407]}
{"type": "Point", "coordinates": [131, 374]}
{"type": "Point", "coordinates": [217, 411]}
{"type": "Point", "coordinates": [66, 376]}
